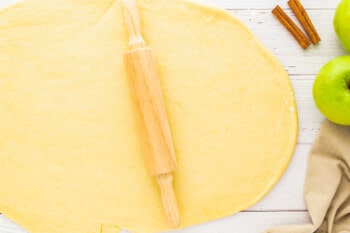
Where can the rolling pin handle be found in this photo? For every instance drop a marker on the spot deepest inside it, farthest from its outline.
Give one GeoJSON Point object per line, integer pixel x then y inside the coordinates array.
{"type": "Point", "coordinates": [170, 205]}
{"type": "Point", "coordinates": [133, 26]}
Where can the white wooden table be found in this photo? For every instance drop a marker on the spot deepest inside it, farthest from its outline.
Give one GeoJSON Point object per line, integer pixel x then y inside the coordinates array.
{"type": "Point", "coordinates": [285, 203]}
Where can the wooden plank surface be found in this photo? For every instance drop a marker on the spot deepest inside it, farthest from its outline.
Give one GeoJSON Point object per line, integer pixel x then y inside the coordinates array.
{"type": "Point", "coordinates": [249, 222]}
{"type": "Point", "coordinates": [296, 61]}
{"type": "Point", "coordinates": [266, 4]}
{"type": "Point", "coordinates": [245, 222]}
{"type": "Point", "coordinates": [285, 203]}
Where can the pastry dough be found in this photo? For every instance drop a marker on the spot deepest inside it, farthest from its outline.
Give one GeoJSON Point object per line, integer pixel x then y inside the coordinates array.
{"type": "Point", "coordinates": [70, 159]}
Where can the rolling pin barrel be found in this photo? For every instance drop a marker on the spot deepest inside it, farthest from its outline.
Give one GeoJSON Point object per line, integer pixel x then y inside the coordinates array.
{"type": "Point", "coordinates": [146, 88]}
{"type": "Point", "coordinates": [147, 92]}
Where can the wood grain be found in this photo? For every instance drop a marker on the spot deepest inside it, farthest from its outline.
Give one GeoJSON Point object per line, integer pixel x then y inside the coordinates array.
{"type": "Point", "coordinates": [295, 60]}
{"type": "Point", "coordinates": [155, 135]}
{"type": "Point", "coordinates": [169, 200]}
{"type": "Point", "coordinates": [267, 4]}
{"type": "Point", "coordinates": [152, 117]}
{"type": "Point", "coordinates": [249, 222]}
{"type": "Point", "coordinates": [158, 147]}
{"type": "Point", "coordinates": [245, 222]}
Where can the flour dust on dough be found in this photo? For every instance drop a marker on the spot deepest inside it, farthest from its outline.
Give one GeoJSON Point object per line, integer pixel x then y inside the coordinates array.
{"type": "Point", "coordinates": [70, 159]}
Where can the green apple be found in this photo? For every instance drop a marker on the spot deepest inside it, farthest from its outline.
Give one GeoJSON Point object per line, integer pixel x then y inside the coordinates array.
{"type": "Point", "coordinates": [331, 90]}
{"type": "Point", "coordinates": [342, 23]}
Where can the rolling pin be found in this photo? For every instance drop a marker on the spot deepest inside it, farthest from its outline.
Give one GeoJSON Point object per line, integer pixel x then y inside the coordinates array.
{"type": "Point", "coordinates": [155, 132]}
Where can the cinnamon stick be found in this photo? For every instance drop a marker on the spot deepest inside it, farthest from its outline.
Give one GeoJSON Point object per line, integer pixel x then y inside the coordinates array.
{"type": "Point", "coordinates": [288, 23]}
{"type": "Point", "coordinates": [304, 19]}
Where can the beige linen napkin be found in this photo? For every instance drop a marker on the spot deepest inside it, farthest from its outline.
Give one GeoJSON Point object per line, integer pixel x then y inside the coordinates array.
{"type": "Point", "coordinates": [327, 185]}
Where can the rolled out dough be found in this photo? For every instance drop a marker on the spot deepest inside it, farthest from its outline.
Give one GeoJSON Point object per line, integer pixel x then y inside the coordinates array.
{"type": "Point", "coordinates": [70, 159]}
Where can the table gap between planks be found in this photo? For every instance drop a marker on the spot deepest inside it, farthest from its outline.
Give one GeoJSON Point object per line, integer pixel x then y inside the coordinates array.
{"type": "Point", "coordinates": [285, 203]}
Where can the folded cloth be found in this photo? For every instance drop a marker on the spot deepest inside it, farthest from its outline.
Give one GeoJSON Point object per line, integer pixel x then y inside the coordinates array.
{"type": "Point", "coordinates": [327, 185]}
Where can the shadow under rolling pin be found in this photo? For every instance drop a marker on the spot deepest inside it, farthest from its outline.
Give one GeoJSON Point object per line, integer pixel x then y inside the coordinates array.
{"type": "Point", "coordinates": [146, 88]}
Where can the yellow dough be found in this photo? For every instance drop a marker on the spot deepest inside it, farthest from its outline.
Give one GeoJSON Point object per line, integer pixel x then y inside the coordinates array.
{"type": "Point", "coordinates": [70, 159]}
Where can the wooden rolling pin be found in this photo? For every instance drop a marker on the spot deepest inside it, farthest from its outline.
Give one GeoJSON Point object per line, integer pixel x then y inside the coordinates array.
{"type": "Point", "coordinates": [157, 142]}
